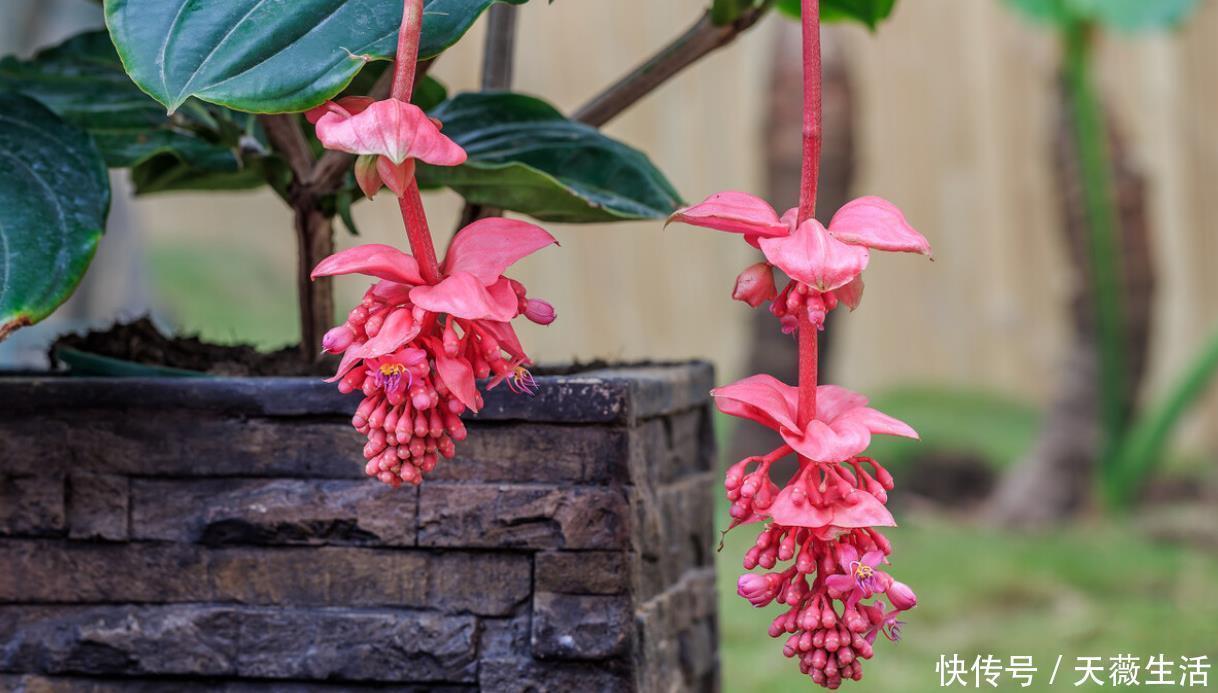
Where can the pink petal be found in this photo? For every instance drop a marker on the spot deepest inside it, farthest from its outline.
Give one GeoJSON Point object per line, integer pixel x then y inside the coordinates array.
{"type": "Point", "coordinates": [873, 558]}
{"type": "Point", "coordinates": [734, 212]}
{"type": "Point", "coordinates": [391, 128]}
{"type": "Point", "coordinates": [861, 509]}
{"type": "Point", "coordinates": [375, 260]}
{"type": "Point", "coordinates": [463, 295]}
{"type": "Point", "coordinates": [395, 176]}
{"type": "Point", "coordinates": [505, 334]}
{"type": "Point", "coordinates": [841, 583]}
{"type": "Point", "coordinates": [834, 400]}
{"type": "Point", "coordinates": [879, 422]}
{"type": "Point", "coordinates": [458, 377]}
{"type": "Point", "coordinates": [851, 295]}
{"type": "Point", "coordinates": [352, 356]}
{"type": "Point", "coordinates": [367, 176]}
{"type": "Point", "coordinates": [812, 256]}
{"type": "Point", "coordinates": [836, 442]}
{"type": "Point", "coordinates": [877, 223]}
{"type": "Point", "coordinates": [399, 328]}
{"type": "Point", "coordinates": [762, 398]}
{"type": "Point", "coordinates": [785, 511]}
{"type": "Point", "coordinates": [345, 107]}
{"type": "Point", "coordinates": [487, 247]}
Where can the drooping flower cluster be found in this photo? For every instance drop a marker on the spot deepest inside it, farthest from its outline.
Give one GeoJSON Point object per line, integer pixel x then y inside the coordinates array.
{"type": "Point", "coordinates": [825, 520]}
{"type": "Point", "coordinates": [413, 347]}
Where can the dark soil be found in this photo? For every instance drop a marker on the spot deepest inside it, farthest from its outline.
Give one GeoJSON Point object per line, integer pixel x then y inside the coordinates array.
{"type": "Point", "coordinates": [141, 342]}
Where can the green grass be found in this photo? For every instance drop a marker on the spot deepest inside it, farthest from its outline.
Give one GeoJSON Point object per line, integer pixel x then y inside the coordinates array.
{"type": "Point", "coordinates": [1098, 591]}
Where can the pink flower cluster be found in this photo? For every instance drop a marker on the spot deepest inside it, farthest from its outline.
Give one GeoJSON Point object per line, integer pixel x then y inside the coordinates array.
{"type": "Point", "coordinates": [825, 520]}
{"type": "Point", "coordinates": [415, 348]}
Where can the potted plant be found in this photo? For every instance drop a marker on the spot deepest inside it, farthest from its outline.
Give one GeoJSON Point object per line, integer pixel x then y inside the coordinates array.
{"type": "Point", "coordinates": [164, 528]}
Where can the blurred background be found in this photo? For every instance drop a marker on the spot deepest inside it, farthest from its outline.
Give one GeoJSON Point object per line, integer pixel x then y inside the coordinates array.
{"type": "Point", "coordinates": [951, 110]}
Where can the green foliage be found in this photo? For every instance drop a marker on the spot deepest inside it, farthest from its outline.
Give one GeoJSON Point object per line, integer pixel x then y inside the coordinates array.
{"type": "Point", "coordinates": [83, 82]}
{"type": "Point", "coordinates": [268, 57]}
{"type": "Point", "coordinates": [867, 12]}
{"type": "Point", "coordinates": [54, 197]}
{"type": "Point", "coordinates": [527, 157]}
{"type": "Point", "coordinates": [1125, 15]}
{"type": "Point", "coordinates": [1143, 448]}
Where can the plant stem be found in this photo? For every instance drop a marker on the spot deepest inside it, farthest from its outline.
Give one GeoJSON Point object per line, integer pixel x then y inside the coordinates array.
{"type": "Point", "coordinates": [411, 203]}
{"type": "Point", "coordinates": [809, 173]}
{"type": "Point", "coordinates": [408, 50]}
{"type": "Point", "coordinates": [314, 242]}
{"type": "Point", "coordinates": [702, 38]}
{"type": "Point", "coordinates": [1095, 166]}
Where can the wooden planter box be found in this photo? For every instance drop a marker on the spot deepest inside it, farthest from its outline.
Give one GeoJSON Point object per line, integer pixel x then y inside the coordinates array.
{"type": "Point", "coordinates": [218, 534]}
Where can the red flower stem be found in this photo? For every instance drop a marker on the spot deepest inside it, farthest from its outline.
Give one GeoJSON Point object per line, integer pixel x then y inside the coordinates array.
{"type": "Point", "coordinates": [413, 214]}
{"type": "Point", "coordinates": [408, 50]}
{"type": "Point", "coordinates": [810, 172]}
{"type": "Point", "coordinates": [418, 233]}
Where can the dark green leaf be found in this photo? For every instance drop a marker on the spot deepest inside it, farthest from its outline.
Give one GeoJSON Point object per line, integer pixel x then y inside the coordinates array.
{"type": "Point", "coordinates": [83, 81]}
{"type": "Point", "coordinates": [867, 12]}
{"type": "Point", "coordinates": [268, 57]}
{"type": "Point", "coordinates": [527, 157]}
{"type": "Point", "coordinates": [54, 197]}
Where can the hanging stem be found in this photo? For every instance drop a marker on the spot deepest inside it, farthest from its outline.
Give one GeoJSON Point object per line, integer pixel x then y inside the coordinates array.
{"type": "Point", "coordinates": [411, 203]}
{"type": "Point", "coordinates": [810, 172]}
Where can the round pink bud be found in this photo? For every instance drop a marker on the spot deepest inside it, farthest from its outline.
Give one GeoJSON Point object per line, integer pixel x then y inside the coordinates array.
{"type": "Point", "coordinates": [539, 311]}
{"type": "Point", "coordinates": [901, 596]}
{"type": "Point", "coordinates": [755, 285]}
{"type": "Point", "coordinates": [758, 589]}
{"type": "Point", "coordinates": [337, 340]}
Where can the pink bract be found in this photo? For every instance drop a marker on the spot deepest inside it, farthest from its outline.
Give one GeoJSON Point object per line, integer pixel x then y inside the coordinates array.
{"type": "Point", "coordinates": [842, 428]}
{"type": "Point", "coordinates": [390, 128]}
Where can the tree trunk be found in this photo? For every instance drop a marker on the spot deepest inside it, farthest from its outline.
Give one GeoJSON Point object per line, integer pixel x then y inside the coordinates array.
{"type": "Point", "coordinates": [314, 242]}
{"type": "Point", "coordinates": [1055, 480]}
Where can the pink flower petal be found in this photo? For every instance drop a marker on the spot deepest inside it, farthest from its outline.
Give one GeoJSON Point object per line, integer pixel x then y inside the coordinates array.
{"type": "Point", "coordinates": [351, 357]}
{"type": "Point", "coordinates": [367, 176]}
{"type": "Point", "coordinates": [458, 377]}
{"type": "Point", "coordinates": [873, 558]}
{"type": "Point", "coordinates": [762, 398]}
{"type": "Point", "coordinates": [375, 260]}
{"type": "Point", "coordinates": [392, 128]}
{"type": "Point", "coordinates": [505, 334]}
{"type": "Point", "coordinates": [834, 400]}
{"type": "Point", "coordinates": [861, 509]}
{"type": "Point", "coordinates": [395, 176]}
{"type": "Point", "coordinates": [835, 442]}
{"type": "Point", "coordinates": [877, 223]}
{"type": "Point", "coordinates": [345, 107]}
{"type": "Point", "coordinates": [463, 295]}
{"type": "Point", "coordinates": [787, 511]}
{"type": "Point", "coordinates": [487, 247]}
{"type": "Point", "coordinates": [851, 295]}
{"type": "Point", "coordinates": [734, 212]}
{"type": "Point", "coordinates": [812, 256]}
{"type": "Point", "coordinates": [398, 328]}
{"type": "Point", "coordinates": [879, 422]}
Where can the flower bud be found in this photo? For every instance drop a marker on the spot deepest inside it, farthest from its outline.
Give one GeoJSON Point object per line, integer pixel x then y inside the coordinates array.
{"type": "Point", "coordinates": [540, 311]}
{"type": "Point", "coordinates": [755, 285]}
{"type": "Point", "coordinates": [901, 596]}
{"type": "Point", "coordinates": [758, 589]}
{"type": "Point", "coordinates": [366, 175]}
{"type": "Point", "coordinates": [337, 340]}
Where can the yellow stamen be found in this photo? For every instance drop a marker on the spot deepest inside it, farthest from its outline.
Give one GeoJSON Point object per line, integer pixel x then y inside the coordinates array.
{"type": "Point", "coordinates": [388, 369]}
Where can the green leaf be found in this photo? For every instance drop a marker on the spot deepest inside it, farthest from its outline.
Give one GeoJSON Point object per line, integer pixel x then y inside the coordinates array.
{"type": "Point", "coordinates": [867, 12]}
{"type": "Point", "coordinates": [268, 57]}
{"type": "Point", "coordinates": [1123, 15]}
{"type": "Point", "coordinates": [83, 82]}
{"type": "Point", "coordinates": [54, 197]}
{"type": "Point", "coordinates": [527, 157]}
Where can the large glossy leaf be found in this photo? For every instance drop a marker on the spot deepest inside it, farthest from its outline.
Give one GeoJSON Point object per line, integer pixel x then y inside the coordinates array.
{"type": "Point", "coordinates": [268, 56]}
{"type": "Point", "coordinates": [83, 81]}
{"type": "Point", "coordinates": [527, 157]}
{"type": "Point", "coordinates": [1125, 15]}
{"type": "Point", "coordinates": [54, 196]}
{"type": "Point", "coordinates": [868, 12]}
